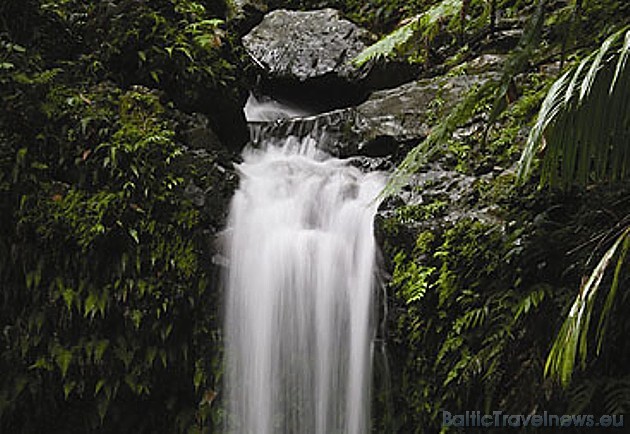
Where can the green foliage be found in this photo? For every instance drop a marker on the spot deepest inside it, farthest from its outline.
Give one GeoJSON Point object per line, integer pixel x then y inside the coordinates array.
{"type": "Point", "coordinates": [463, 332]}
{"type": "Point", "coordinates": [108, 307]}
{"type": "Point", "coordinates": [103, 278]}
{"type": "Point", "coordinates": [583, 120]}
{"type": "Point", "coordinates": [424, 26]}
{"type": "Point", "coordinates": [572, 339]}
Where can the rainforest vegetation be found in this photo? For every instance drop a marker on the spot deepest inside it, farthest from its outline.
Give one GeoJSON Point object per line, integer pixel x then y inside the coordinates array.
{"type": "Point", "coordinates": [119, 126]}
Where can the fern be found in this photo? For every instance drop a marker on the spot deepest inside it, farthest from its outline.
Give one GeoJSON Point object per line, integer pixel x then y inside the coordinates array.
{"type": "Point", "coordinates": [423, 26]}
{"type": "Point", "coordinates": [617, 395]}
{"type": "Point", "coordinates": [583, 122]}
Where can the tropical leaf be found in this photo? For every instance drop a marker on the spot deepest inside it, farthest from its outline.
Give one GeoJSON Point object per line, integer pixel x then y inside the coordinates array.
{"type": "Point", "coordinates": [572, 340]}
{"type": "Point", "coordinates": [388, 45]}
{"type": "Point", "coordinates": [583, 124]}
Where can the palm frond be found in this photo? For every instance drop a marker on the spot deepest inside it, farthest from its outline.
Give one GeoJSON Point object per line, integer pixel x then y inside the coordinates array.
{"type": "Point", "coordinates": [621, 63]}
{"type": "Point", "coordinates": [551, 106]}
{"type": "Point", "coordinates": [612, 293]}
{"type": "Point", "coordinates": [571, 342]}
{"type": "Point", "coordinates": [584, 122]}
{"type": "Point", "coordinates": [422, 26]}
{"type": "Point", "coordinates": [587, 84]}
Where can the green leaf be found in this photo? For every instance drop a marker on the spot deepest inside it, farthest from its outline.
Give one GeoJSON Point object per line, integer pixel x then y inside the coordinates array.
{"type": "Point", "coordinates": [134, 234]}
{"type": "Point", "coordinates": [62, 357]}
{"type": "Point", "coordinates": [90, 304]}
{"type": "Point", "coordinates": [621, 62]}
{"type": "Point", "coordinates": [99, 349]}
{"type": "Point", "coordinates": [68, 388]}
{"type": "Point", "coordinates": [582, 124]}
{"type": "Point", "coordinates": [572, 339]}
{"type": "Point", "coordinates": [99, 386]}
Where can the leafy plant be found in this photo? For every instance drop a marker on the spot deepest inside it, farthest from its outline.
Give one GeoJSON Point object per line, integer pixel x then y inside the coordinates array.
{"type": "Point", "coordinates": [583, 123]}
{"type": "Point", "coordinates": [571, 343]}
{"type": "Point", "coordinates": [423, 27]}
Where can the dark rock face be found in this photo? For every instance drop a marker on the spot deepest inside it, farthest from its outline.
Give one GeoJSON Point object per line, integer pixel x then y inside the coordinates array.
{"type": "Point", "coordinates": [306, 45]}
{"type": "Point", "coordinates": [407, 112]}
{"type": "Point", "coordinates": [308, 55]}
{"type": "Point", "coordinates": [386, 123]}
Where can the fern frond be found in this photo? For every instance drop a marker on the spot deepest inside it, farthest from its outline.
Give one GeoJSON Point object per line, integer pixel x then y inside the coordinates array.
{"type": "Point", "coordinates": [582, 394]}
{"type": "Point", "coordinates": [531, 300]}
{"type": "Point", "coordinates": [616, 397]}
{"type": "Point", "coordinates": [421, 26]}
{"type": "Point", "coordinates": [388, 45]}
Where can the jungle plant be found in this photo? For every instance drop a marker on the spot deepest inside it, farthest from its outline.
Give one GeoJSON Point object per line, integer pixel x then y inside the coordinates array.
{"type": "Point", "coordinates": [423, 27]}
{"type": "Point", "coordinates": [583, 130]}
{"type": "Point", "coordinates": [583, 123]}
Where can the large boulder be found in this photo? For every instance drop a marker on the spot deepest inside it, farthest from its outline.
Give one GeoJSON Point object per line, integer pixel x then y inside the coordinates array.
{"type": "Point", "coordinates": [306, 45]}
{"type": "Point", "coordinates": [307, 56]}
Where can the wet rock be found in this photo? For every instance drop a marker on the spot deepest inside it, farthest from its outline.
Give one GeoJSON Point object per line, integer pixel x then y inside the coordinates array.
{"type": "Point", "coordinates": [197, 133]}
{"type": "Point", "coordinates": [308, 54]}
{"type": "Point", "coordinates": [307, 45]}
{"type": "Point", "coordinates": [195, 194]}
{"type": "Point", "coordinates": [435, 198]}
{"type": "Point", "coordinates": [409, 111]}
{"type": "Point", "coordinates": [306, 57]}
{"type": "Point", "coordinates": [384, 125]}
{"type": "Point", "coordinates": [485, 63]}
{"type": "Point", "coordinates": [506, 40]}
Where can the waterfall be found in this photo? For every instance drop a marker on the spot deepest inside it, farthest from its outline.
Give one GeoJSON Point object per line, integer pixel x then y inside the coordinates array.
{"type": "Point", "coordinates": [300, 289]}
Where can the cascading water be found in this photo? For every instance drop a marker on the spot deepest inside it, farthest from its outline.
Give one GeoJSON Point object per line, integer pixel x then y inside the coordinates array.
{"type": "Point", "coordinates": [299, 320]}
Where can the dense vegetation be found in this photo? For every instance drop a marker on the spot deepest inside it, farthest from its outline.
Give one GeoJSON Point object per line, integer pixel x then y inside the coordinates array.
{"type": "Point", "coordinates": [110, 194]}
{"type": "Point", "coordinates": [119, 125]}
{"type": "Point", "coordinates": [478, 304]}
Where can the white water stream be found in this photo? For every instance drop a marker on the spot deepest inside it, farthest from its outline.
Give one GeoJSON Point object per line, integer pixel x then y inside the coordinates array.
{"type": "Point", "coordinates": [299, 320]}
